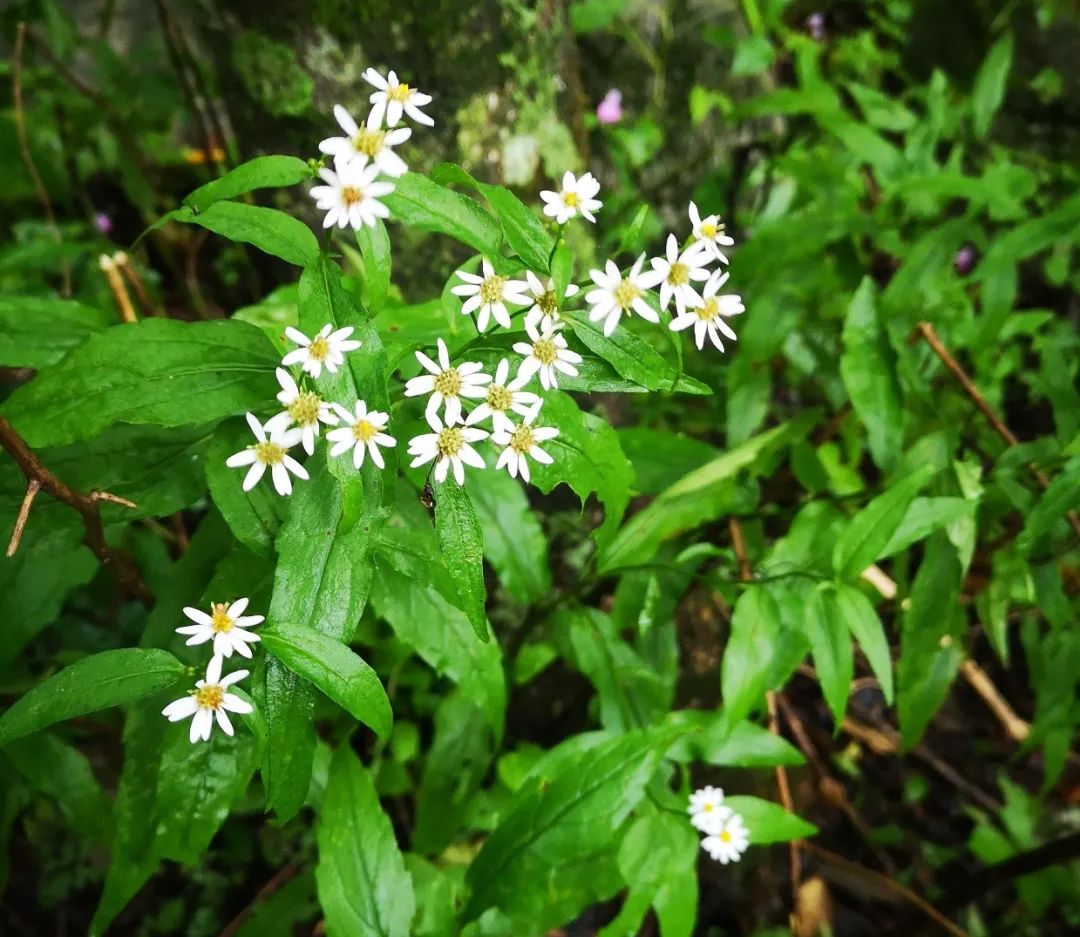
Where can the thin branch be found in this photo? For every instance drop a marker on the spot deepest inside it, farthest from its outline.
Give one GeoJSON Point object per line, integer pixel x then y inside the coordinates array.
{"type": "Point", "coordinates": [32, 488]}
{"type": "Point", "coordinates": [116, 285]}
{"type": "Point", "coordinates": [926, 330]}
{"type": "Point", "coordinates": [28, 159]}
{"type": "Point", "coordinates": [127, 574]}
{"type": "Point", "coordinates": [280, 878]}
{"type": "Point", "coordinates": [1016, 728]}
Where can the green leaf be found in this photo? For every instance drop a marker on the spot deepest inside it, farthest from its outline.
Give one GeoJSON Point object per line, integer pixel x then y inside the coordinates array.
{"type": "Point", "coordinates": [660, 455]}
{"type": "Point", "coordinates": [253, 516]}
{"type": "Point", "coordinates": [462, 548]}
{"type": "Point", "coordinates": [549, 857]}
{"type": "Point", "coordinates": [868, 368]}
{"type": "Point", "coordinates": [109, 678]}
{"type": "Point", "coordinates": [363, 885]}
{"type": "Point", "coordinates": [831, 647]}
{"type": "Point", "coordinates": [747, 661]}
{"type": "Point", "coordinates": [157, 371]}
{"type": "Point", "coordinates": [697, 497]}
{"type": "Point", "coordinates": [524, 232]}
{"type": "Point", "coordinates": [768, 822]}
{"type": "Point", "coordinates": [857, 613]}
{"type": "Point", "coordinates": [742, 745]}
{"type": "Point", "coordinates": [990, 83]}
{"type": "Point", "coordinates": [930, 636]}
{"type": "Point", "coordinates": [335, 669]}
{"type": "Point", "coordinates": [37, 331]}
{"type": "Point", "coordinates": [374, 244]}
{"type": "Point", "coordinates": [514, 542]}
{"type": "Point", "coordinates": [271, 231]}
{"type": "Point", "coordinates": [1062, 496]}
{"type": "Point", "coordinates": [633, 357]}
{"type": "Point", "coordinates": [868, 532]}
{"type": "Point", "coordinates": [421, 203]}
{"type": "Point", "coordinates": [590, 15]}
{"type": "Point", "coordinates": [289, 750]}
{"type": "Point", "coordinates": [263, 172]}
{"type": "Point", "coordinates": [923, 517]}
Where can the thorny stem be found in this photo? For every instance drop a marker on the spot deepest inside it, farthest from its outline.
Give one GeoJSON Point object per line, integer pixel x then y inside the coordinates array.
{"type": "Point", "coordinates": [127, 574]}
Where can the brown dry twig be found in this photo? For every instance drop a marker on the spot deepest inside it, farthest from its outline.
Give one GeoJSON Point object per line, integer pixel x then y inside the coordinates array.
{"type": "Point", "coordinates": [37, 476]}
{"type": "Point", "coordinates": [280, 878]}
{"type": "Point", "coordinates": [926, 330]}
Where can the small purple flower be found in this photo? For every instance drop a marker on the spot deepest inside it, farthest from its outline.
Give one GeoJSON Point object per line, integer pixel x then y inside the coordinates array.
{"type": "Point", "coordinates": [815, 25]}
{"type": "Point", "coordinates": [103, 222]}
{"type": "Point", "coordinates": [964, 260]}
{"type": "Point", "coordinates": [609, 111]}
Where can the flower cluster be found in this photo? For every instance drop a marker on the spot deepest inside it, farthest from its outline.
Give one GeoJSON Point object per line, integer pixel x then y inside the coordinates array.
{"type": "Point", "coordinates": [359, 429]}
{"type": "Point", "coordinates": [726, 836]}
{"type": "Point", "coordinates": [227, 627]}
{"type": "Point", "coordinates": [365, 154]}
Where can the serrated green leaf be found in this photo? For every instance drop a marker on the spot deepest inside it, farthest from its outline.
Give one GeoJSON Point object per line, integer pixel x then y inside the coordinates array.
{"type": "Point", "coordinates": [109, 678]}
{"type": "Point", "coordinates": [745, 668]}
{"type": "Point", "coordinates": [157, 371]}
{"type": "Point", "coordinates": [514, 542]}
{"type": "Point", "coordinates": [869, 531]}
{"type": "Point", "coordinates": [550, 855]}
{"type": "Point", "coordinates": [36, 331]}
{"type": "Point", "coordinates": [263, 172]}
{"type": "Point", "coordinates": [831, 646]}
{"type": "Point", "coordinates": [868, 368]}
{"type": "Point", "coordinates": [856, 612]}
{"type": "Point", "coordinates": [363, 885]}
{"type": "Point", "coordinates": [768, 822]}
{"type": "Point", "coordinates": [271, 231]}
{"type": "Point", "coordinates": [633, 357]}
{"type": "Point", "coordinates": [462, 547]}
{"type": "Point", "coordinates": [421, 203]}
{"type": "Point", "coordinates": [335, 669]}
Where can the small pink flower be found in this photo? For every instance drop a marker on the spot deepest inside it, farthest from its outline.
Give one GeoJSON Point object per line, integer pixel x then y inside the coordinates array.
{"type": "Point", "coordinates": [609, 111]}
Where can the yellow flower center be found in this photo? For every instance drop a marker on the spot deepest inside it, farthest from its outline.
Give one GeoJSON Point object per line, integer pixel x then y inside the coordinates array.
{"type": "Point", "coordinates": [548, 303]}
{"type": "Point", "coordinates": [269, 453]}
{"type": "Point", "coordinates": [710, 230]}
{"type": "Point", "coordinates": [450, 442]}
{"type": "Point", "coordinates": [708, 808]}
{"type": "Point", "coordinates": [625, 294]}
{"type": "Point", "coordinates": [363, 431]}
{"type": "Point", "coordinates": [209, 697]}
{"type": "Point", "coordinates": [545, 351]}
{"type": "Point", "coordinates": [491, 289]}
{"type": "Point", "coordinates": [678, 274]}
{"type": "Point", "coordinates": [725, 836]}
{"type": "Point", "coordinates": [219, 618]}
{"type": "Point", "coordinates": [350, 195]}
{"type": "Point", "coordinates": [521, 440]}
{"type": "Point", "coordinates": [570, 199]}
{"type": "Point", "coordinates": [448, 383]}
{"type": "Point", "coordinates": [400, 93]}
{"type": "Point", "coordinates": [369, 141]}
{"type": "Point", "coordinates": [499, 398]}
{"type": "Point", "coordinates": [305, 408]}
{"type": "Point", "coordinates": [319, 348]}
{"type": "Point", "coordinates": [709, 311]}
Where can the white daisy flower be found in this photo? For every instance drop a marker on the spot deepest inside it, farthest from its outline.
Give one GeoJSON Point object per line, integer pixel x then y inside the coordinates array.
{"type": "Point", "coordinates": [351, 195]}
{"type": "Point", "coordinates": [490, 294]}
{"type": "Point", "coordinates": [546, 354]}
{"type": "Point", "coordinates": [269, 453]}
{"type": "Point", "coordinates": [576, 197]}
{"type": "Point", "coordinates": [707, 810]}
{"type": "Point", "coordinates": [207, 700]}
{"type": "Point", "coordinates": [395, 97]}
{"type": "Point", "coordinates": [225, 625]}
{"type": "Point", "coordinates": [449, 446]}
{"type": "Point", "coordinates": [544, 311]}
{"type": "Point", "coordinates": [728, 841]}
{"type": "Point", "coordinates": [303, 409]}
{"type": "Point", "coordinates": [502, 398]}
{"type": "Point", "coordinates": [446, 383]}
{"type": "Point", "coordinates": [362, 432]}
{"type": "Point", "coordinates": [707, 316]}
{"type": "Point", "coordinates": [616, 295]}
{"type": "Point", "coordinates": [328, 349]}
{"type": "Point", "coordinates": [521, 441]}
{"type": "Point", "coordinates": [678, 271]}
{"type": "Point", "coordinates": [710, 232]}
{"type": "Point", "coordinates": [367, 143]}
